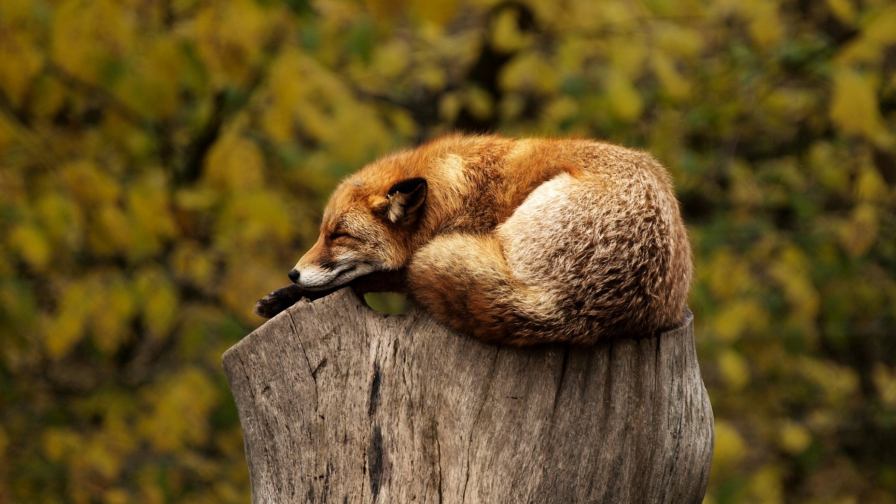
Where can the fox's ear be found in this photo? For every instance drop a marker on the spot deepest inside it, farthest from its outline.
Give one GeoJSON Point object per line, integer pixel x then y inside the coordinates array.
{"type": "Point", "coordinates": [403, 201]}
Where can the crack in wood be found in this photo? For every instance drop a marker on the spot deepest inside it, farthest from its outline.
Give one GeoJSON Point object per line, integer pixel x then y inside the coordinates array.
{"type": "Point", "coordinates": [375, 390]}
{"type": "Point", "coordinates": [376, 461]}
{"type": "Point", "coordinates": [563, 364]}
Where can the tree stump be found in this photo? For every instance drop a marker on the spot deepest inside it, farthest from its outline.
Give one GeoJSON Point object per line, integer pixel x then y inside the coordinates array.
{"type": "Point", "coordinates": [339, 403]}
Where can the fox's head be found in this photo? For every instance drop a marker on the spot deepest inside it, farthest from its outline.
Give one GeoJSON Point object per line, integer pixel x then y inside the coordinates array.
{"type": "Point", "coordinates": [363, 231]}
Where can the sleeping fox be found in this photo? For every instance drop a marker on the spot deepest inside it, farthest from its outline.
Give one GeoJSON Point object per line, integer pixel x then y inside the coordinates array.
{"type": "Point", "coordinates": [512, 241]}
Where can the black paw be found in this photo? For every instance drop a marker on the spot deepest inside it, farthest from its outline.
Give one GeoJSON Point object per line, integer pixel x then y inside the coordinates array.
{"type": "Point", "coordinates": [278, 300]}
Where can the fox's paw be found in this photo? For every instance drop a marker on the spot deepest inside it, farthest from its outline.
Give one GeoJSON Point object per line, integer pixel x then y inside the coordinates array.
{"type": "Point", "coordinates": [278, 300]}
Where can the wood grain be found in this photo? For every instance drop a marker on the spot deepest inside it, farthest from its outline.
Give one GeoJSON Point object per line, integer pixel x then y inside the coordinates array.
{"type": "Point", "coordinates": [339, 403]}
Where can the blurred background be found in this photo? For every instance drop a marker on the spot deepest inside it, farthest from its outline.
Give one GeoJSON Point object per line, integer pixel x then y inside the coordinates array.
{"type": "Point", "coordinates": [163, 164]}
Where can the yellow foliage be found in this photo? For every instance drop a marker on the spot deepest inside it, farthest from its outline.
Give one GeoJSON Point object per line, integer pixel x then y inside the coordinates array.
{"type": "Point", "coordinates": [727, 273]}
{"type": "Point", "coordinates": [118, 425]}
{"type": "Point", "coordinates": [844, 10]}
{"type": "Point", "coordinates": [58, 442]}
{"type": "Point", "coordinates": [191, 261]}
{"type": "Point", "coordinates": [117, 496]}
{"type": "Point", "coordinates": [287, 85]}
{"type": "Point", "coordinates": [21, 63]}
{"type": "Point", "coordinates": [15, 11]}
{"type": "Point", "coordinates": [673, 82]}
{"type": "Point", "coordinates": [152, 88]}
{"type": "Point", "coordinates": [230, 36]}
{"type": "Point", "coordinates": [7, 135]}
{"type": "Point", "coordinates": [623, 99]}
{"type": "Point", "coordinates": [197, 199]}
{"type": "Point", "coordinates": [572, 52]}
{"type": "Point", "coordinates": [393, 58]}
{"type": "Point", "coordinates": [765, 25]}
{"type": "Point", "coordinates": [885, 381]}
{"type": "Point", "coordinates": [176, 408]}
{"type": "Point", "coordinates": [48, 98]}
{"type": "Point", "coordinates": [879, 27]}
{"type": "Point", "coordinates": [678, 40]}
{"type": "Point", "coordinates": [111, 233]}
{"type": "Point", "coordinates": [788, 105]}
{"type": "Point", "coordinates": [151, 493]}
{"type": "Point", "coordinates": [745, 189]}
{"type": "Point", "coordinates": [391, 303]}
{"type": "Point", "coordinates": [793, 437]}
{"type": "Point", "coordinates": [257, 218]}
{"type": "Point", "coordinates": [734, 370]}
{"type": "Point", "coordinates": [560, 110]}
{"type": "Point", "coordinates": [837, 383]}
{"type": "Point", "coordinates": [89, 184]}
{"type": "Point", "coordinates": [277, 123]}
{"type": "Point", "coordinates": [350, 144]}
{"type": "Point", "coordinates": [149, 213]}
{"type": "Point", "coordinates": [766, 485]}
{"type": "Point", "coordinates": [158, 301]}
{"type": "Point", "coordinates": [528, 71]}
{"type": "Point", "coordinates": [32, 246]}
{"type": "Point", "coordinates": [385, 10]}
{"type": "Point", "coordinates": [585, 16]}
{"type": "Point", "coordinates": [862, 50]}
{"type": "Point", "coordinates": [479, 102]}
{"type": "Point", "coordinates": [870, 186]}
{"type": "Point", "coordinates": [87, 35]}
{"type": "Point", "coordinates": [435, 11]}
{"type": "Point", "coordinates": [506, 35]}
{"type": "Point", "coordinates": [234, 164]}
{"type": "Point", "coordinates": [402, 122]}
{"type": "Point", "coordinates": [854, 107]}
{"type": "Point", "coordinates": [66, 328]}
{"type": "Point", "coordinates": [62, 220]}
{"type": "Point", "coordinates": [729, 448]}
{"type": "Point", "coordinates": [828, 167]}
{"type": "Point", "coordinates": [111, 314]}
{"type": "Point", "coordinates": [316, 123]}
{"type": "Point", "coordinates": [859, 233]}
{"type": "Point", "coordinates": [510, 107]}
{"type": "Point", "coordinates": [790, 271]}
{"type": "Point", "coordinates": [100, 459]}
{"type": "Point", "coordinates": [617, 15]}
{"type": "Point", "coordinates": [4, 442]}
{"type": "Point", "coordinates": [737, 317]}
{"type": "Point", "coordinates": [431, 76]}
{"type": "Point", "coordinates": [628, 59]}
{"type": "Point", "coordinates": [240, 284]}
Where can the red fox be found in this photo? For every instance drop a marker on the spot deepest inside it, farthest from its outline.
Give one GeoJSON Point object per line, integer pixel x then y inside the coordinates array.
{"type": "Point", "coordinates": [512, 241]}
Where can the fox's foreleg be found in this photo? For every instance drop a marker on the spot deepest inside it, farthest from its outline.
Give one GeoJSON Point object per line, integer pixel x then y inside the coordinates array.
{"type": "Point", "coordinates": [281, 299]}
{"type": "Point", "coordinates": [381, 281]}
{"type": "Point", "coordinates": [277, 301]}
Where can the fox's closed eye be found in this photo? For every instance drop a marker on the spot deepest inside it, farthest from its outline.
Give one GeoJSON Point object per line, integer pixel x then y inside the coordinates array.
{"type": "Point", "coordinates": [338, 235]}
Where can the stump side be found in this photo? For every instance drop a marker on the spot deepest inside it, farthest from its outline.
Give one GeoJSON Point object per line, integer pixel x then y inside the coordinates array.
{"type": "Point", "coordinates": [340, 402]}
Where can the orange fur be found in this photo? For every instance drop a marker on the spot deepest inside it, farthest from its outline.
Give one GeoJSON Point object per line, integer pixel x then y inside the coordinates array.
{"type": "Point", "coordinates": [514, 241]}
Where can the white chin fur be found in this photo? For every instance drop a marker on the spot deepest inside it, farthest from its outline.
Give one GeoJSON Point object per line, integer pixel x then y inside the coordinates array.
{"type": "Point", "coordinates": [317, 278]}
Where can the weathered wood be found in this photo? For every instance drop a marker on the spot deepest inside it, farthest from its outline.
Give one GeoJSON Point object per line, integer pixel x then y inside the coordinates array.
{"type": "Point", "coordinates": [341, 404]}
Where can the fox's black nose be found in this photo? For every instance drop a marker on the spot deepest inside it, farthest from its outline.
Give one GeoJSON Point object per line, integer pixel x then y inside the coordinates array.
{"type": "Point", "coordinates": [294, 276]}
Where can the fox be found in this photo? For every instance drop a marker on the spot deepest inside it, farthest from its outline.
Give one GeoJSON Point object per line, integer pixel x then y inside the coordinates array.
{"type": "Point", "coordinates": [511, 241]}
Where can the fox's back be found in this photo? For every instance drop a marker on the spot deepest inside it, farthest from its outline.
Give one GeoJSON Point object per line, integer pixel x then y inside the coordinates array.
{"type": "Point", "coordinates": [477, 182]}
